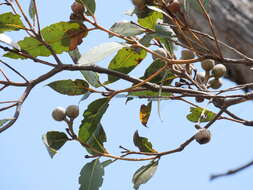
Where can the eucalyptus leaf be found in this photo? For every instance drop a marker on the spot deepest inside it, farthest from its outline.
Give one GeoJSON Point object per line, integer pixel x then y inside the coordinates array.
{"type": "Point", "coordinates": [90, 130]}
{"type": "Point", "coordinates": [10, 22]}
{"type": "Point", "coordinates": [91, 77]}
{"type": "Point", "coordinates": [70, 87]}
{"type": "Point", "coordinates": [142, 143]}
{"type": "Point", "coordinates": [7, 40]}
{"type": "Point", "coordinates": [145, 111]}
{"type": "Point", "coordinates": [144, 174]}
{"type": "Point", "coordinates": [32, 10]}
{"type": "Point", "coordinates": [61, 36]}
{"type": "Point", "coordinates": [196, 112]}
{"type": "Point", "coordinates": [107, 163]}
{"type": "Point", "coordinates": [126, 28]}
{"type": "Point", "coordinates": [91, 176]}
{"type": "Point", "coordinates": [53, 141]}
{"type": "Point", "coordinates": [151, 20]}
{"type": "Point", "coordinates": [158, 10]}
{"type": "Point", "coordinates": [99, 52]}
{"type": "Point", "coordinates": [125, 61]}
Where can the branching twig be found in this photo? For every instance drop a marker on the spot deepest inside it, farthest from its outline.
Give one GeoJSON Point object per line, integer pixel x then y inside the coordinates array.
{"type": "Point", "coordinates": [231, 172]}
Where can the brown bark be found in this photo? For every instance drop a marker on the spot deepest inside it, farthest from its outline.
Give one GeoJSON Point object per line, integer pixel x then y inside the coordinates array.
{"type": "Point", "coordinates": [233, 23]}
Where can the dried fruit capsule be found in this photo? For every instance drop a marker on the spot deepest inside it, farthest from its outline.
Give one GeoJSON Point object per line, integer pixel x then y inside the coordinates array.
{"type": "Point", "coordinates": [215, 83]}
{"type": "Point", "coordinates": [207, 64]}
{"type": "Point", "coordinates": [203, 136]}
{"type": "Point", "coordinates": [187, 54]}
{"type": "Point", "coordinates": [59, 114]}
{"type": "Point", "coordinates": [77, 8]}
{"type": "Point", "coordinates": [199, 99]}
{"type": "Point", "coordinates": [72, 111]}
{"type": "Point", "coordinates": [219, 70]}
{"type": "Point", "coordinates": [200, 77]}
{"type": "Point", "coordinates": [161, 52]}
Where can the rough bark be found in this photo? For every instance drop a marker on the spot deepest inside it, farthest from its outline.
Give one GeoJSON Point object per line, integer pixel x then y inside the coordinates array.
{"type": "Point", "coordinates": [233, 22]}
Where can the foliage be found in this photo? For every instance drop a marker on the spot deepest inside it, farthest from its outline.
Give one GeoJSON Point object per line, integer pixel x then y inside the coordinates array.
{"type": "Point", "coordinates": [158, 29]}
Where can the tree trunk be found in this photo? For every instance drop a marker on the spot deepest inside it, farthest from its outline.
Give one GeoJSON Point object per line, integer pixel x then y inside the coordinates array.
{"type": "Point", "coordinates": [233, 24]}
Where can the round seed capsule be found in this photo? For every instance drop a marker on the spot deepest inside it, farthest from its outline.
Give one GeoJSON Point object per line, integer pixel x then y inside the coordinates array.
{"type": "Point", "coordinates": [203, 136]}
{"type": "Point", "coordinates": [207, 64]}
{"type": "Point", "coordinates": [72, 111]}
{"type": "Point", "coordinates": [215, 83]}
{"type": "Point", "coordinates": [59, 114]}
{"type": "Point", "coordinates": [219, 70]}
{"type": "Point", "coordinates": [187, 54]}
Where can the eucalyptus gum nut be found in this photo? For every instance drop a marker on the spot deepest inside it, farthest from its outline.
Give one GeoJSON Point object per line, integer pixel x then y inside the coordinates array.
{"type": "Point", "coordinates": [215, 83]}
{"type": "Point", "coordinates": [161, 52]}
{"type": "Point", "coordinates": [219, 70]}
{"type": "Point", "coordinates": [200, 77]}
{"type": "Point", "coordinates": [72, 111]}
{"type": "Point", "coordinates": [59, 114]}
{"type": "Point", "coordinates": [187, 54]}
{"type": "Point", "coordinates": [199, 99]}
{"type": "Point", "coordinates": [203, 136]}
{"type": "Point", "coordinates": [207, 64]}
{"type": "Point", "coordinates": [77, 8]}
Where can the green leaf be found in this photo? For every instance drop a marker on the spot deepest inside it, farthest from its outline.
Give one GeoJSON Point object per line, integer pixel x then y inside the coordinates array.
{"type": "Point", "coordinates": [10, 22]}
{"type": "Point", "coordinates": [107, 163]}
{"type": "Point", "coordinates": [145, 112]}
{"type": "Point", "coordinates": [125, 61]}
{"type": "Point", "coordinates": [53, 141]}
{"type": "Point", "coordinates": [126, 28]}
{"type": "Point", "coordinates": [97, 140]}
{"type": "Point", "coordinates": [163, 30]}
{"type": "Point", "coordinates": [148, 93]}
{"type": "Point", "coordinates": [99, 52]}
{"type": "Point", "coordinates": [146, 39]}
{"type": "Point", "coordinates": [90, 130]}
{"type": "Point", "coordinates": [62, 36]}
{"type": "Point", "coordinates": [90, 6]}
{"type": "Point", "coordinates": [3, 121]}
{"type": "Point", "coordinates": [196, 113]}
{"type": "Point", "coordinates": [70, 87]}
{"type": "Point", "coordinates": [144, 174]}
{"type": "Point", "coordinates": [142, 143]}
{"type": "Point", "coordinates": [151, 20]}
{"type": "Point", "coordinates": [7, 40]}
{"type": "Point", "coordinates": [91, 77]}
{"type": "Point", "coordinates": [91, 176]}
{"type": "Point", "coordinates": [32, 10]}
{"type": "Point", "coordinates": [155, 66]}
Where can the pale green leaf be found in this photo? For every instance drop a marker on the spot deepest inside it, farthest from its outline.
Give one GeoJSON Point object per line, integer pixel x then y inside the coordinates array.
{"type": "Point", "coordinates": [7, 40]}
{"type": "Point", "coordinates": [99, 52]}
{"type": "Point", "coordinates": [91, 176]}
{"type": "Point", "coordinates": [144, 174]}
{"type": "Point", "coordinates": [126, 28]}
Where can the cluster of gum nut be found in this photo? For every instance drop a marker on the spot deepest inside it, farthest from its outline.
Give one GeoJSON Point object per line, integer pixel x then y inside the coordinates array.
{"type": "Point", "coordinates": [212, 76]}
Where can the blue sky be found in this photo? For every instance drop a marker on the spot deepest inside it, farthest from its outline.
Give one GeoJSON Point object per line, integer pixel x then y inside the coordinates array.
{"type": "Point", "coordinates": [25, 163]}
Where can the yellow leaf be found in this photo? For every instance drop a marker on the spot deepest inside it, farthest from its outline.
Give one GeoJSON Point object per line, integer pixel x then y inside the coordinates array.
{"type": "Point", "coordinates": [145, 111]}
